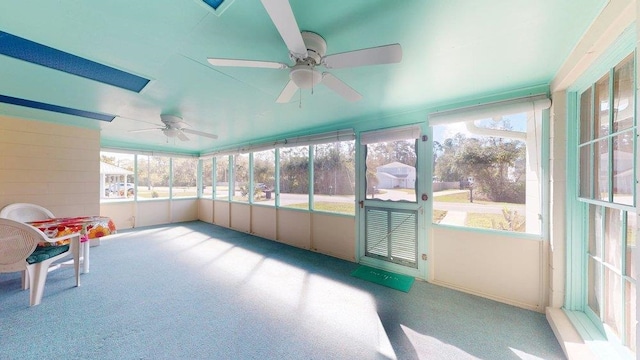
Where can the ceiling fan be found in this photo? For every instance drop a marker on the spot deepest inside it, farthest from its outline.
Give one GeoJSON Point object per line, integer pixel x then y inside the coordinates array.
{"type": "Point", "coordinates": [175, 127]}
{"type": "Point", "coordinates": [307, 50]}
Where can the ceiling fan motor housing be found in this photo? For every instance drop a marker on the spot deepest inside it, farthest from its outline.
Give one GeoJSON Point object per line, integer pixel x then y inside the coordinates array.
{"type": "Point", "coordinates": [171, 120]}
{"type": "Point", "coordinates": [316, 46]}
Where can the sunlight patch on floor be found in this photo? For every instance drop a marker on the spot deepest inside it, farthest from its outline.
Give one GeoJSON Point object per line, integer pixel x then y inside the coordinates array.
{"type": "Point", "coordinates": [285, 290]}
{"type": "Point", "coordinates": [281, 283]}
{"type": "Point", "coordinates": [345, 312]}
{"type": "Point", "coordinates": [523, 355]}
{"type": "Point", "coordinates": [425, 345]}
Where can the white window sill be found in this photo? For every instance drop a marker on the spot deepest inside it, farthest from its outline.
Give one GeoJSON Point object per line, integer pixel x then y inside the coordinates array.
{"type": "Point", "coordinates": [577, 346]}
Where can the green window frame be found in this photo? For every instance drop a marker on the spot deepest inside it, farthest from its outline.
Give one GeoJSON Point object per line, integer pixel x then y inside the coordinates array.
{"type": "Point", "coordinates": [601, 221]}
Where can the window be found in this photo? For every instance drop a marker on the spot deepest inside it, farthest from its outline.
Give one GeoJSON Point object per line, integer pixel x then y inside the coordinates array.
{"type": "Point", "coordinates": [391, 170]}
{"type": "Point", "coordinates": [153, 176]}
{"type": "Point", "coordinates": [264, 177]}
{"type": "Point", "coordinates": [184, 176]}
{"type": "Point", "coordinates": [207, 178]}
{"type": "Point", "coordinates": [258, 178]}
{"type": "Point", "coordinates": [241, 191]}
{"type": "Point", "coordinates": [116, 175]}
{"type": "Point", "coordinates": [246, 176]}
{"type": "Point", "coordinates": [294, 177]}
{"type": "Point", "coordinates": [334, 177]}
{"type": "Point", "coordinates": [391, 163]}
{"type": "Point", "coordinates": [607, 182]}
{"type": "Point", "coordinates": [486, 168]}
{"type": "Point", "coordinates": [157, 176]}
{"type": "Point", "coordinates": [222, 178]}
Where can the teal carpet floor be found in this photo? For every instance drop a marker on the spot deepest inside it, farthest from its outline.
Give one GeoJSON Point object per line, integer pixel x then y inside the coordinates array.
{"type": "Point", "coordinates": [198, 291]}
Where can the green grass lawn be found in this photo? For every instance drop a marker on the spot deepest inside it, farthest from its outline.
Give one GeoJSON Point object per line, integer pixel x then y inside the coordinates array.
{"type": "Point", "coordinates": [336, 207]}
{"type": "Point", "coordinates": [492, 221]}
{"type": "Point", "coordinates": [462, 197]}
{"type": "Point", "coordinates": [476, 220]}
{"type": "Point", "coordinates": [164, 193]}
{"type": "Point", "coordinates": [438, 215]}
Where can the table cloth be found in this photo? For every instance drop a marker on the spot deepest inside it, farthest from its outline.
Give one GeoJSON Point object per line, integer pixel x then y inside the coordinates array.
{"type": "Point", "coordinates": [89, 227]}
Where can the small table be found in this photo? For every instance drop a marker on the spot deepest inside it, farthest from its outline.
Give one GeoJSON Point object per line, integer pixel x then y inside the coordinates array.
{"type": "Point", "coordinates": [88, 227]}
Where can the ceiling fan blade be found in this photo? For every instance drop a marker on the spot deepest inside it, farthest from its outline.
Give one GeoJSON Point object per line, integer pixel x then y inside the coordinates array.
{"type": "Point", "coordinates": [386, 54]}
{"type": "Point", "coordinates": [144, 130]}
{"type": "Point", "coordinates": [282, 16]}
{"type": "Point", "coordinates": [200, 133]}
{"type": "Point", "coordinates": [247, 63]}
{"type": "Point", "coordinates": [340, 87]}
{"type": "Point", "coordinates": [287, 93]}
{"type": "Point", "coordinates": [182, 136]}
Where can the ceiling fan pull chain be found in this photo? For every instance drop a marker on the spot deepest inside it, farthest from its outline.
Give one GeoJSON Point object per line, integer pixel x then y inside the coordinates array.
{"type": "Point", "coordinates": [300, 99]}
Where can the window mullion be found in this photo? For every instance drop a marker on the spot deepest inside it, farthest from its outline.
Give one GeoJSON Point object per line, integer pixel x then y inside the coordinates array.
{"type": "Point", "coordinates": [214, 181]}
{"type": "Point", "coordinates": [170, 178]}
{"type": "Point", "coordinates": [610, 136]}
{"type": "Point", "coordinates": [592, 157]}
{"type": "Point", "coordinates": [277, 179]}
{"type": "Point", "coordinates": [311, 177]}
{"type": "Point", "coordinates": [623, 285]}
{"type": "Point", "coordinates": [251, 185]}
{"type": "Point", "coordinates": [600, 263]}
{"type": "Point", "coordinates": [135, 178]}
{"type": "Point", "coordinates": [230, 179]}
{"type": "Point", "coordinates": [635, 128]}
{"type": "Point", "coordinates": [610, 168]}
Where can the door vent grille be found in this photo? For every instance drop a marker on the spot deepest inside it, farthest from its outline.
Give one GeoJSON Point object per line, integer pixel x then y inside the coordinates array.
{"type": "Point", "coordinates": [391, 235]}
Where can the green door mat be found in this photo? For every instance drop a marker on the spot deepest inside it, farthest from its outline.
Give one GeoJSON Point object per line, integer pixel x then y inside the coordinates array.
{"type": "Point", "coordinates": [385, 278]}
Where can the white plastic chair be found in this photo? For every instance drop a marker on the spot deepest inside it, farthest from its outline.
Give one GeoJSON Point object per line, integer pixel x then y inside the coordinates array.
{"type": "Point", "coordinates": [24, 212]}
{"type": "Point", "coordinates": [18, 242]}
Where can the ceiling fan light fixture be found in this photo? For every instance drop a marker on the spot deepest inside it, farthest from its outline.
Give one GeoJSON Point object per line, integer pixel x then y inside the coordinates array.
{"type": "Point", "coordinates": [171, 132]}
{"type": "Point", "coordinates": [305, 76]}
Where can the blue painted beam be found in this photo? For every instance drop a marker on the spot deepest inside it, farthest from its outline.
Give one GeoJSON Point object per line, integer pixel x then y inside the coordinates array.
{"type": "Point", "coordinates": [23, 49]}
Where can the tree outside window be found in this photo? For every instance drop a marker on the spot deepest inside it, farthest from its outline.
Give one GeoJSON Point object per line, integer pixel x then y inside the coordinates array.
{"type": "Point", "coordinates": [480, 174]}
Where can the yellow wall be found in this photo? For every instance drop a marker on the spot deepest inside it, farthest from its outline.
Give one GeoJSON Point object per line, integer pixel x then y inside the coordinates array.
{"type": "Point", "coordinates": [130, 214]}
{"type": "Point", "coordinates": [497, 266]}
{"type": "Point", "coordinates": [326, 233]}
{"type": "Point", "coordinates": [52, 165]}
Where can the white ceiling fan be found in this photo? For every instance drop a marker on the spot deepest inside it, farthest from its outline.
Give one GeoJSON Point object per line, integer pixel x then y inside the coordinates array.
{"type": "Point", "coordinates": [175, 127]}
{"type": "Point", "coordinates": [307, 50]}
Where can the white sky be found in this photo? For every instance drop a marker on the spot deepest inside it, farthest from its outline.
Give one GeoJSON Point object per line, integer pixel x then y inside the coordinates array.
{"type": "Point", "coordinates": [518, 122]}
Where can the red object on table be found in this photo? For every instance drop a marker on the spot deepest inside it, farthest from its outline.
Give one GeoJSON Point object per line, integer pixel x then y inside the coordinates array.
{"type": "Point", "coordinates": [95, 227]}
